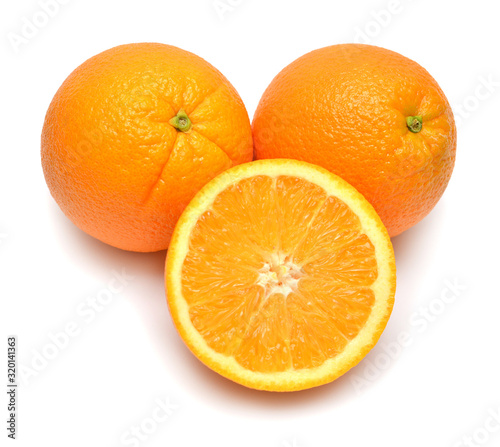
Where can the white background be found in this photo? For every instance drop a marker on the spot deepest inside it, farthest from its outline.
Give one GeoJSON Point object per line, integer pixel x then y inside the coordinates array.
{"type": "Point", "coordinates": [439, 388]}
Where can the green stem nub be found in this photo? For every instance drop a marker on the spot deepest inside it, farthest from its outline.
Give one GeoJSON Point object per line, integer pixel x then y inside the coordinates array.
{"type": "Point", "coordinates": [414, 123]}
{"type": "Point", "coordinates": [181, 121]}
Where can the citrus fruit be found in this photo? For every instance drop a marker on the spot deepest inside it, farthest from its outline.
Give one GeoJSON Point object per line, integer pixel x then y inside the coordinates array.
{"type": "Point", "coordinates": [280, 276]}
{"type": "Point", "coordinates": [132, 134]}
{"type": "Point", "coordinates": [370, 115]}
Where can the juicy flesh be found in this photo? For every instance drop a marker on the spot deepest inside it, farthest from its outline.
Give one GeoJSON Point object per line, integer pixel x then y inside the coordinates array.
{"type": "Point", "coordinates": [278, 274]}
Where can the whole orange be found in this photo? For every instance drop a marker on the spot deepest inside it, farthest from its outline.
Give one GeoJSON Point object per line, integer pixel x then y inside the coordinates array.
{"type": "Point", "coordinates": [370, 115]}
{"type": "Point", "coordinates": [131, 136]}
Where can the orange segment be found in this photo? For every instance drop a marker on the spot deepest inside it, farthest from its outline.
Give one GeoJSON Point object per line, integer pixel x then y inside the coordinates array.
{"type": "Point", "coordinates": [265, 344]}
{"type": "Point", "coordinates": [280, 275]}
{"type": "Point", "coordinates": [306, 197]}
{"type": "Point", "coordinates": [256, 221]}
{"type": "Point", "coordinates": [353, 263]}
{"type": "Point", "coordinates": [223, 320]}
{"type": "Point", "coordinates": [335, 226]}
{"type": "Point", "coordinates": [344, 307]}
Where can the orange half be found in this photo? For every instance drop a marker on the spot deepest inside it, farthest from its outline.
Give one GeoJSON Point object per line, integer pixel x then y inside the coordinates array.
{"type": "Point", "coordinates": [280, 276]}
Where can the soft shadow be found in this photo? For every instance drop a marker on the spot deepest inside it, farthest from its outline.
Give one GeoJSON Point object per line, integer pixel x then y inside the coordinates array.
{"type": "Point", "coordinates": [413, 250]}
{"type": "Point", "coordinates": [407, 243]}
{"type": "Point", "coordinates": [201, 380]}
{"type": "Point", "coordinates": [99, 258]}
{"type": "Point", "coordinates": [150, 304]}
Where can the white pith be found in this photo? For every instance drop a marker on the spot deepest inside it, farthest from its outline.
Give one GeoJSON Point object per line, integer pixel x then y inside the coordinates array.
{"type": "Point", "coordinates": [279, 275]}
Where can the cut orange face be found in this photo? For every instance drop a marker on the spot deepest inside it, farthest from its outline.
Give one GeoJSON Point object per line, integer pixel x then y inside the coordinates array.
{"type": "Point", "coordinates": [280, 276]}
